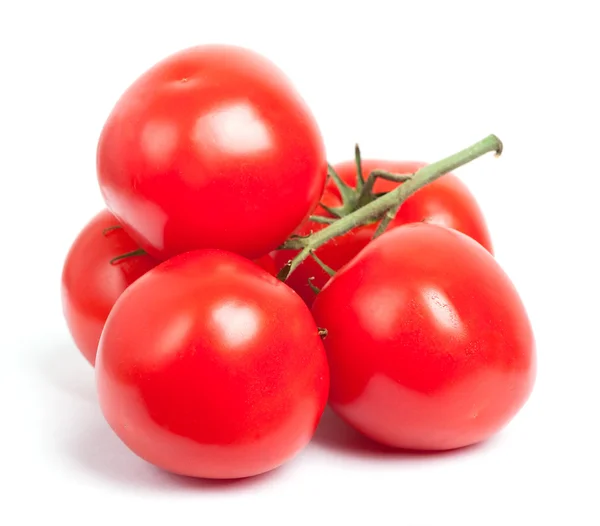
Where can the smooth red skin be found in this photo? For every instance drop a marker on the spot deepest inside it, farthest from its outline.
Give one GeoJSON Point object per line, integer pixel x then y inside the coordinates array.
{"type": "Point", "coordinates": [429, 344]}
{"type": "Point", "coordinates": [91, 284]}
{"type": "Point", "coordinates": [189, 384]}
{"type": "Point", "coordinates": [446, 202]}
{"type": "Point", "coordinates": [211, 148]}
{"type": "Point", "coordinates": [267, 263]}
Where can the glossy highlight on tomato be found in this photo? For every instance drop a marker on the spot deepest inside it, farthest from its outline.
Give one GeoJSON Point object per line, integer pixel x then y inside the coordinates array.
{"type": "Point", "coordinates": [211, 367]}
{"type": "Point", "coordinates": [91, 284]}
{"type": "Point", "coordinates": [211, 148]}
{"type": "Point", "coordinates": [429, 345]}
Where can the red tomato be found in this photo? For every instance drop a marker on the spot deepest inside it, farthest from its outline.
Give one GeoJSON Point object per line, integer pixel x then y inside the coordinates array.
{"type": "Point", "coordinates": [91, 284]}
{"type": "Point", "coordinates": [211, 148]}
{"type": "Point", "coordinates": [447, 202]}
{"type": "Point", "coordinates": [429, 344]}
{"type": "Point", "coordinates": [211, 367]}
{"type": "Point", "coordinates": [267, 263]}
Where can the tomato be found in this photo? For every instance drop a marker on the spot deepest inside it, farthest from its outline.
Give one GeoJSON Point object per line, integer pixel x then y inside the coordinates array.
{"type": "Point", "coordinates": [266, 262]}
{"type": "Point", "coordinates": [91, 284]}
{"type": "Point", "coordinates": [447, 202]}
{"type": "Point", "coordinates": [211, 367]}
{"type": "Point", "coordinates": [211, 148]}
{"type": "Point", "coordinates": [429, 344]}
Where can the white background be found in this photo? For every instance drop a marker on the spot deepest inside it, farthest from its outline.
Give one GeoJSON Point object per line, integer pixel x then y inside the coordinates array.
{"type": "Point", "coordinates": [415, 80]}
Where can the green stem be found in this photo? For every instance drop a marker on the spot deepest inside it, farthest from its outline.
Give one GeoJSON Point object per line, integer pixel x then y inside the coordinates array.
{"type": "Point", "coordinates": [322, 219]}
{"type": "Point", "coordinates": [312, 286]}
{"type": "Point", "coordinates": [326, 268]}
{"type": "Point", "coordinates": [390, 176]}
{"type": "Point", "coordinates": [366, 194]}
{"type": "Point", "coordinates": [380, 206]}
{"type": "Point", "coordinates": [360, 180]}
{"type": "Point", "coordinates": [387, 219]}
{"type": "Point", "coordinates": [346, 191]}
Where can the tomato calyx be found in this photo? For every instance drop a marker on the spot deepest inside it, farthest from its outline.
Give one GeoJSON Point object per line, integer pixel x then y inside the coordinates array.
{"type": "Point", "coordinates": [322, 264]}
{"type": "Point", "coordinates": [381, 208]}
{"type": "Point", "coordinates": [362, 195]}
{"type": "Point", "coordinates": [312, 286]}
{"type": "Point", "coordinates": [322, 219]}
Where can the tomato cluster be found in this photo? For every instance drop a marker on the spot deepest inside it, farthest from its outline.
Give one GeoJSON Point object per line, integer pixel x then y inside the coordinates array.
{"type": "Point", "coordinates": [237, 283]}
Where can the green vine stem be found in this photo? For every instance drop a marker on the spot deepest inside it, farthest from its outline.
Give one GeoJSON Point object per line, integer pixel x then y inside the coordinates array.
{"type": "Point", "coordinates": [322, 219]}
{"type": "Point", "coordinates": [360, 180]}
{"type": "Point", "coordinates": [387, 219]}
{"type": "Point", "coordinates": [390, 201]}
{"type": "Point", "coordinates": [367, 189]}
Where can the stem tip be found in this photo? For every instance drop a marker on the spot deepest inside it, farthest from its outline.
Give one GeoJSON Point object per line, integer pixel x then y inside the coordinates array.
{"type": "Point", "coordinates": [499, 148]}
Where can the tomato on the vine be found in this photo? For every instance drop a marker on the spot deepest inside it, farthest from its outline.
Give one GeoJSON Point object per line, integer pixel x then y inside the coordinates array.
{"type": "Point", "coordinates": [335, 253]}
{"type": "Point", "coordinates": [209, 366]}
{"type": "Point", "coordinates": [446, 202]}
{"type": "Point", "coordinates": [429, 345]}
{"type": "Point", "coordinates": [211, 148]}
{"type": "Point", "coordinates": [91, 283]}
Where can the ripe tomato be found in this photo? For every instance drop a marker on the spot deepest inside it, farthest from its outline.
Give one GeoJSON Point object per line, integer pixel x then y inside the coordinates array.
{"type": "Point", "coordinates": [447, 202]}
{"type": "Point", "coordinates": [429, 344]}
{"type": "Point", "coordinates": [91, 284]}
{"type": "Point", "coordinates": [211, 148]}
{"type": "Point", "coordinates": [268, 264]}
{"type": "Point", "coordinates": [211, 367]}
